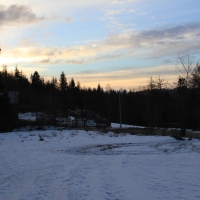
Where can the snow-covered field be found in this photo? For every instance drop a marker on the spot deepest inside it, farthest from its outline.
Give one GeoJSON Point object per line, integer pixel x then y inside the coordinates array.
{"type": "Point", "coordinates": [79, 165]}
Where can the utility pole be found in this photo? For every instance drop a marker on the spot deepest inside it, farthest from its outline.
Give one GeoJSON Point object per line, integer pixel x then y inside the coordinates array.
{"type": "Point", "coordinates": [108, 101]}
{"type": "Point", "coordinates": [120, 114]}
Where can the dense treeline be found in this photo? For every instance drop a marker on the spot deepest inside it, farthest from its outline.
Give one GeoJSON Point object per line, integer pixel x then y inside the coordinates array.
{"type": "Point", "coordinates": [157, 105]}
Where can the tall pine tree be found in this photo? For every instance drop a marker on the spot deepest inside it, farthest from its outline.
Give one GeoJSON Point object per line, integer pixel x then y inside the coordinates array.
{"type": "Point", "coordinates": [63, 82]}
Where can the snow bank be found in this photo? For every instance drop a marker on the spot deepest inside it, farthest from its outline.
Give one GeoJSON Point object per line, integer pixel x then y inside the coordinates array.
{"type": "Point", "coordinates": [115, 125]}
{"type": "Point", "coordinates": [27, 116]}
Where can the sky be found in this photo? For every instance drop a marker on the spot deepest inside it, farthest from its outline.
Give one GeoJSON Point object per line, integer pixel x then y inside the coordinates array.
{"type": "Point", "coordinates": [120, 43]}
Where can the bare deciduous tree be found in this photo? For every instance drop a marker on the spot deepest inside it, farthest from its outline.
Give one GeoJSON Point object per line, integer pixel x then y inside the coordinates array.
{"type": "Point", "coordinates": [186, 68]}
{"type": "Point", "coordinates": [152, 84]}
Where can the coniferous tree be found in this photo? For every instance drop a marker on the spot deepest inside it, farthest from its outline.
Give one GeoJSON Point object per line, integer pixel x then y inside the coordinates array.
{"type": "Point", "coordinates": [17, 73]}
{"type": "Point", "coordinates": [63, 82]}
{"type": "Point", "coordinates": [35, 79]}
{"type": "Point", "coordinates": [72, 83]}
{"type": "Point", "coordinates": [64, 105]}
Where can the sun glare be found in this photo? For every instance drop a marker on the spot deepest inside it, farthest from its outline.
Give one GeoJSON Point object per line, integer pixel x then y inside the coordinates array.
{"type": "Point", "coordinates": [5, 61]}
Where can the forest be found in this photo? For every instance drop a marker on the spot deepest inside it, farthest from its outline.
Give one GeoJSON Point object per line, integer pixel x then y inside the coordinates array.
{"type": "Point", "coordinates": [156, 105]}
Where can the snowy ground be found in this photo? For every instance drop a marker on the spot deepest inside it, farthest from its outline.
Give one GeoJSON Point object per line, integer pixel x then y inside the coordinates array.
{"type": "Point", "coordinates": [79, 165]}
{"type": "Point", "coordinates": [27, 116]}
{"type": "Point", "coordinates": [115, 125]}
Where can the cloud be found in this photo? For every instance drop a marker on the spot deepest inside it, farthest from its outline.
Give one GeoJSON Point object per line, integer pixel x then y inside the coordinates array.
{"type": "Point", "coordinates": [68, 20]}
{"type": "Point", "coordinates": [75, 62]}
{"type": "Point", "coordinates": [84, 19]}
{"type": "Point", "coordinates": [117, 12]}
{"type": "Point", "coordinates": [27, 43]}
{"type": "Point", "coordinates": [131, 11]}
{"type": "Point", "coordinates": [17, 14]}
{"type": "Point", "coordinates": [170, 40]}
{"type": "Point", "coordinates": [115, 18]}
{"type": "Point", "coordinates": [180, 31]}
{"type": "Point", "coordinates": [153, 44]}
{"type": "Point", "coordinates": [45, 61]}
{"type": "Point", "coordinates": [118, 2]}
{"type": "Point", "coordinates": [114, 12]}
{"type": "Point", "coordinates": [115, 25]}
{"type": "Point", "coordinates": [122, 2]}
{"type": "Point", "coordinates": [163, 41]}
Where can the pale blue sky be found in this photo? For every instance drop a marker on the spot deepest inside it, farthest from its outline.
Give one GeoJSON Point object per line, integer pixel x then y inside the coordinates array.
{"type": "Point", "coordinates": [118, 42]}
